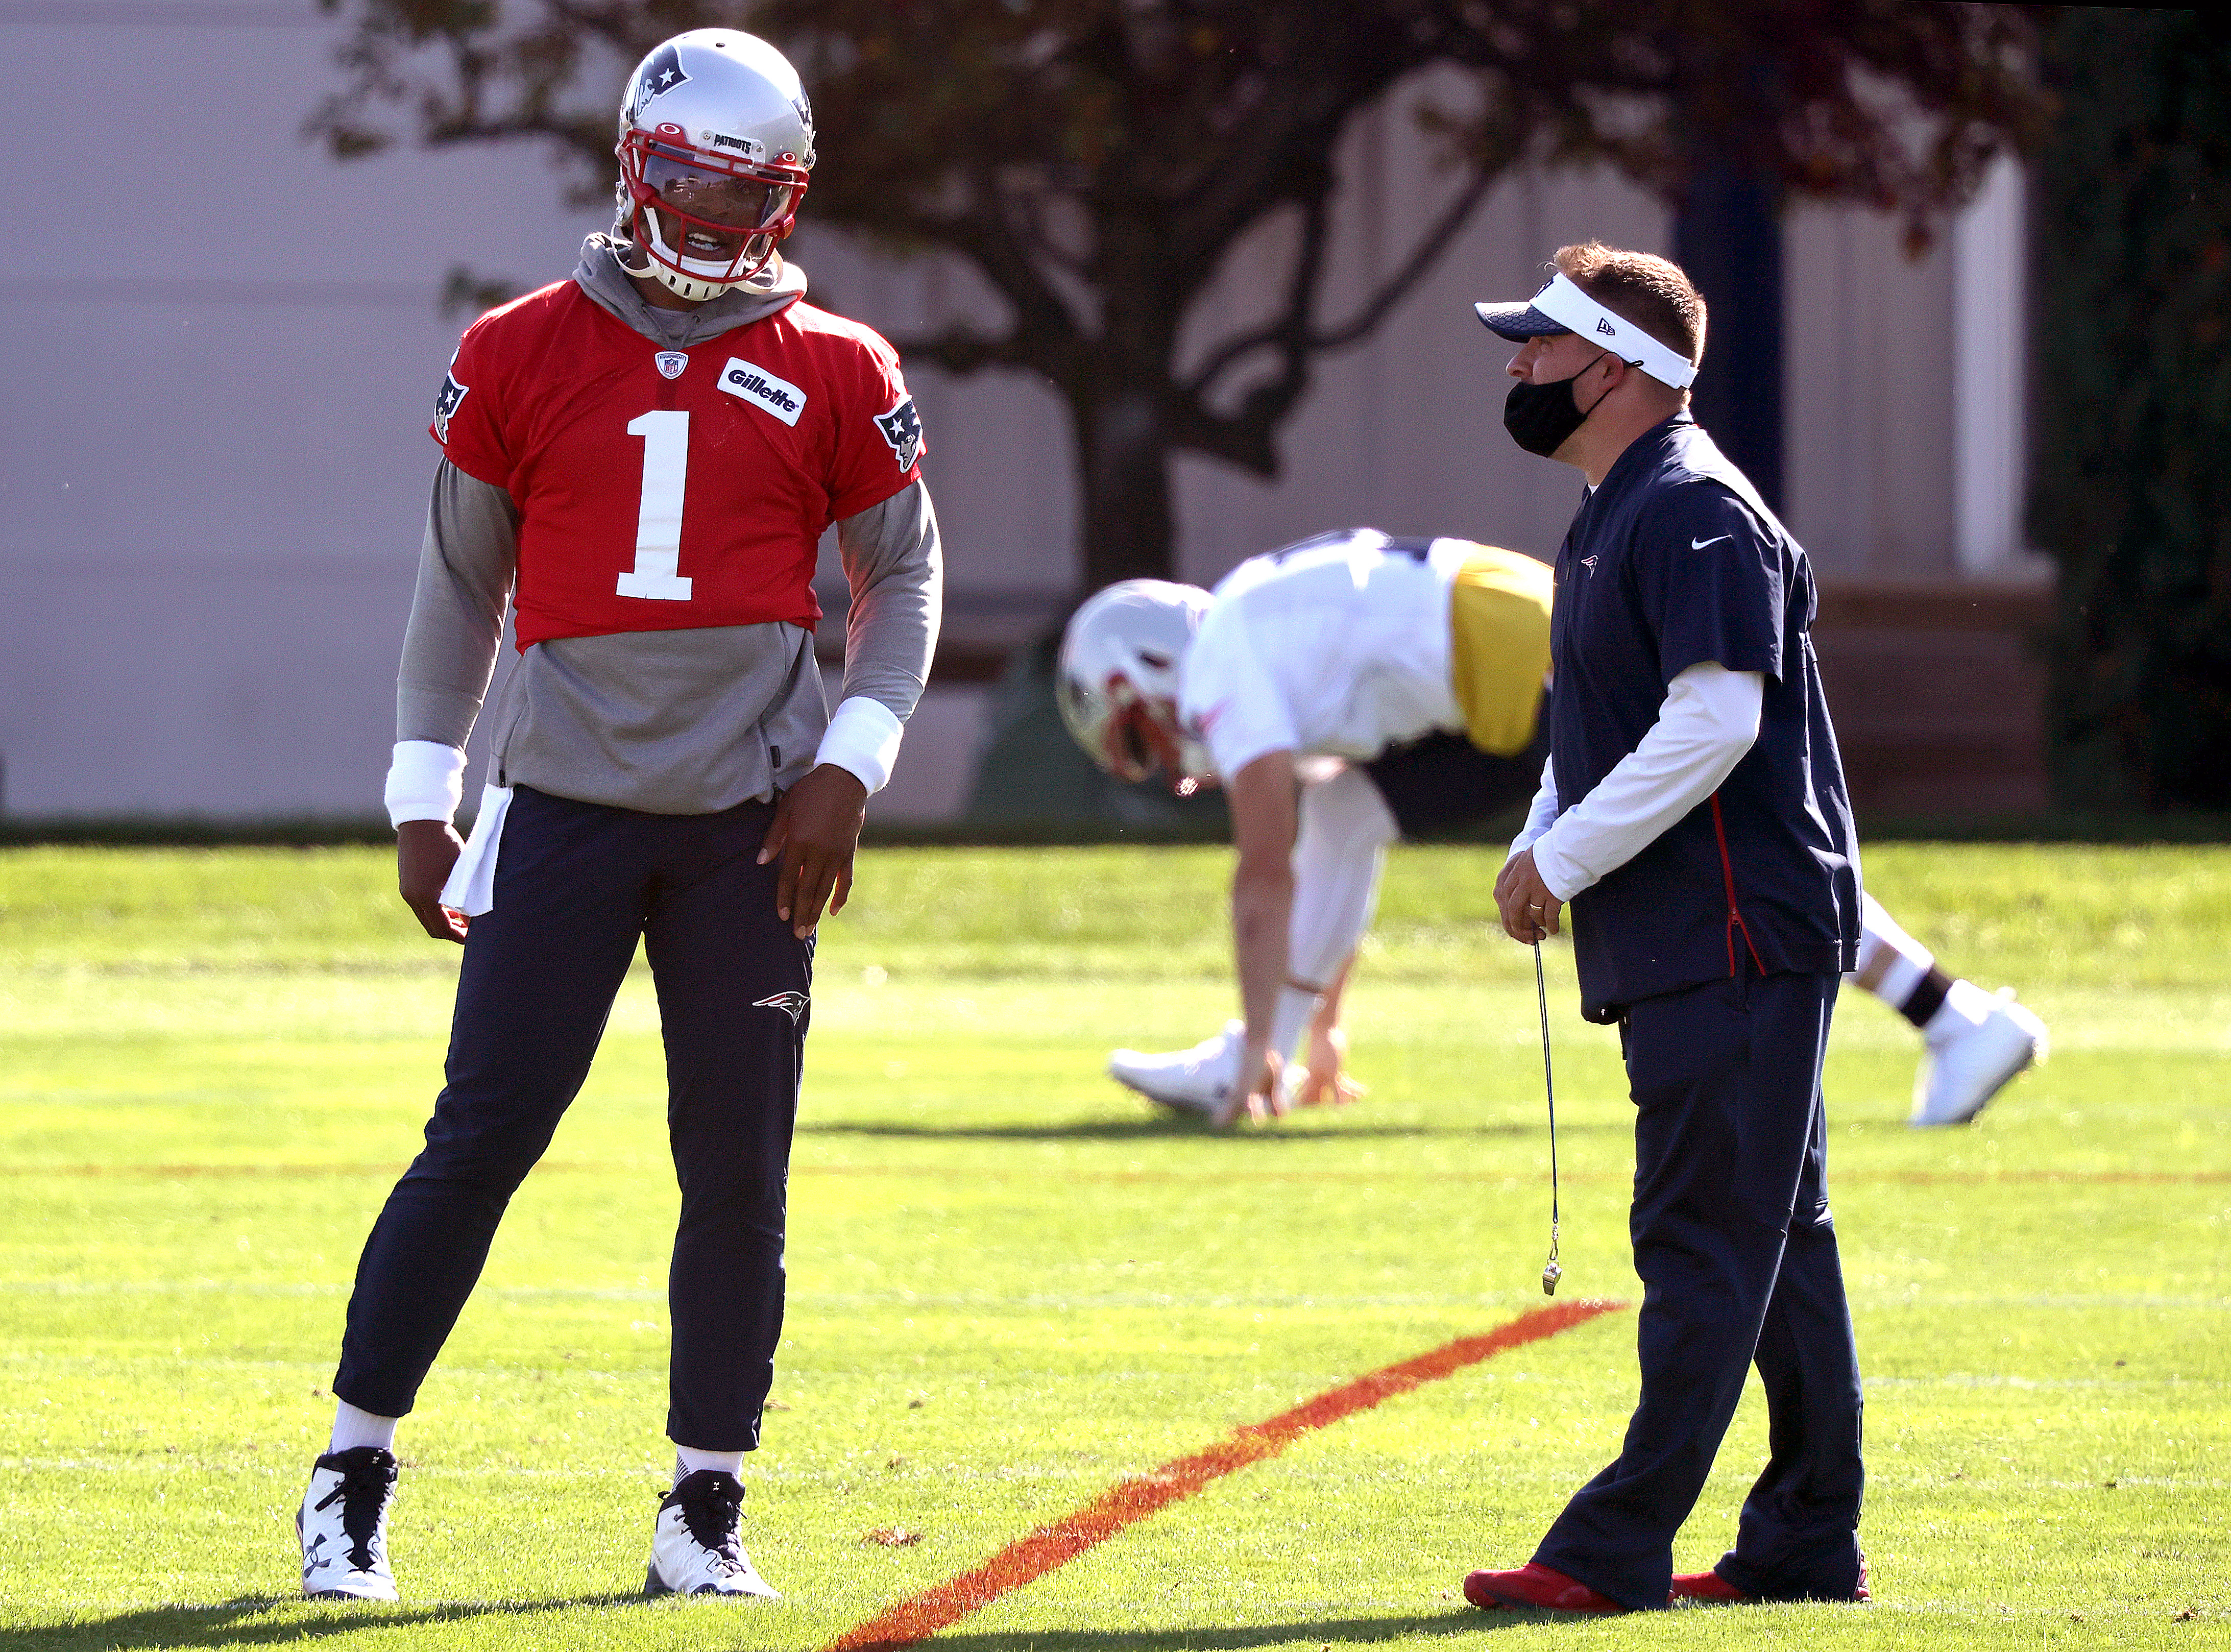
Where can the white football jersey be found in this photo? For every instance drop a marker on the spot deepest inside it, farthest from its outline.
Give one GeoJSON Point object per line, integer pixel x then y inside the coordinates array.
{"type": "Point", "coordinates": [1336, 646]}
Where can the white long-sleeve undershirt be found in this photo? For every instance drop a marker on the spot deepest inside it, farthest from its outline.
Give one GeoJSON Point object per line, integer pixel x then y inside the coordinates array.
{"type": "Point", "coordinates": [1709, 720]}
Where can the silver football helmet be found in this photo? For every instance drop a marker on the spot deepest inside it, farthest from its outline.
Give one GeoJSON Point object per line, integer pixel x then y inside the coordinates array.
{"type": "Point", "coordinates": [715, 142]}
{"type": "Point", "coordinates": [1117, 682]}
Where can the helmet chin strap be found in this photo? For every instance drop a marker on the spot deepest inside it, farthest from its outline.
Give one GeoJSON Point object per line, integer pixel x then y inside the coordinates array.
{"type": "Point", "coordinates": [684, 281]}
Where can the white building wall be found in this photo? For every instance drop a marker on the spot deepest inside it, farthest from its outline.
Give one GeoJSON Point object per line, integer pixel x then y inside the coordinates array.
{"type": "Point", "coordinates": [213, 464]}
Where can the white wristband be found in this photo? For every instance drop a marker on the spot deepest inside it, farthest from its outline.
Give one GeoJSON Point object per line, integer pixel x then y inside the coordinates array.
{"type": "Point", "coordinates": [426, 781]}
{"type": "Point", "coordinates": [1559, 877]}
{"type": "Point", "coordinates": [863, 738]}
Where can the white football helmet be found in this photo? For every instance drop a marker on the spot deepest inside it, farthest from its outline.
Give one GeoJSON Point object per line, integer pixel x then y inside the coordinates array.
{"type": "Point", "coordinates": [1117, 682]}
{"type": "Point", "coordinates": [715, 142]}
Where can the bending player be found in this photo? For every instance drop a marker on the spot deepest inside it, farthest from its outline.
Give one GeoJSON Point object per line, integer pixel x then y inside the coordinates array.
{"type": "Point", "coordinates": [1348, 664]}
{"type": "Point", "coordinates": [1344, 691]}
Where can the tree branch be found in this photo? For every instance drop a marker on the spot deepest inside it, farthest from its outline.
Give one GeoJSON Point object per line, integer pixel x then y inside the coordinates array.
{"type": "Point", "coordinates": [1293, 319]}
{"type": "Point", "coordinates": [1413, 269]}
{"type": "Point", "coordinates": [961, 348]}
{"type": "Point", "coordinates": [1244, 438]}
{"type": "Point", "coordinates": [1373, 309]}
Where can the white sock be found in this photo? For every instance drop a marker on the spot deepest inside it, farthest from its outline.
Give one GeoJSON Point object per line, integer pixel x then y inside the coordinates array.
{"type": "Point", "coordinates": [352, 1427]}
{"type": "Point", "coordinates": [687, 1460]}
{"type": "Point", "coordinates": [1891, 963]}
{"type": "Point", "coordinates": [1296, 1006]}
{"type": "Point", "coordinates": [1344, 830]}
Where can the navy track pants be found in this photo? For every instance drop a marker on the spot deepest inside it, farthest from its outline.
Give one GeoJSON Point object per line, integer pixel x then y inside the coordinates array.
{"type": "Point", "coordinates": [1737, 1256]}
{"type": "Point", "coordinates": [577, 885]}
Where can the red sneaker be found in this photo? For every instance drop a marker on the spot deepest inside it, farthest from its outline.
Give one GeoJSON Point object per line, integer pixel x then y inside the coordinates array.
{"type": "Point", "coordinates": [1703, 1589]}
{"type": "Point", "coordinates": [1533, 1586]}
{"type": "Point", "coordinates": [1709, 1589]}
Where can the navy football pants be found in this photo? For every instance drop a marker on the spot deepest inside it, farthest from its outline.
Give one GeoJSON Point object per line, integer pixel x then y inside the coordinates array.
{"type": "Point", "coordinates": [577, 885]}
{"type": "Point", "coordinates": [1737, 1256]}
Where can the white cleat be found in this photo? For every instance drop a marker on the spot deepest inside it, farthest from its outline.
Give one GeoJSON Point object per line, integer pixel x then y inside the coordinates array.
{"type": "Point", "coordinates": [697, 1548]}
{"type": "Point", "coordinates": [343, 1525]}
{"type": "Point", "coordinates": [1196, 1080]}
{"type": "Point", "coordinates": [1186, 1081]}
{"type": "Point", "coordinates": [1993, 1039]}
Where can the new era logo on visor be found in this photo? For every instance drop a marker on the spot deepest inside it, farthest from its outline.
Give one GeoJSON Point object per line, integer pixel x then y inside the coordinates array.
{"type": "Point", "coordinates": [763, 390]}
{"type": "Point", "coordinates": [1606, 328]}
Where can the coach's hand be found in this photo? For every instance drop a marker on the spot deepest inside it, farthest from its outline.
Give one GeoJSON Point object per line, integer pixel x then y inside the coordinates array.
{"type": "Point", "coordinates": [816, 832]}
{"type": "Point", "coordinates": [1529, 911]}
{"type": "Point", "coordinates": [425, 852]}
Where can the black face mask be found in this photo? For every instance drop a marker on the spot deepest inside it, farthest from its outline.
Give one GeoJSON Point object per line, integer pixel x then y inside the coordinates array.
{"type": "Point", "coordinates": [1541, 416]}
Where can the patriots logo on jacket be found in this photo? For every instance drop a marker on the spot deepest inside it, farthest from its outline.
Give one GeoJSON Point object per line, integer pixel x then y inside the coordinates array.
{"type": "Point", "coordinates": [902, 428]}
{"type": "Point", "coordinates": [662, 71]}
{"type": "Point", "coordinates": [446, 403]}
{"type": "Point", "coordinates": [793, 1004]}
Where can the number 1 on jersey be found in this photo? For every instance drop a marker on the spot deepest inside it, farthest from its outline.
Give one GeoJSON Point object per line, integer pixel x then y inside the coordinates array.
{"type": "Point", "coordinates": [657, 566]}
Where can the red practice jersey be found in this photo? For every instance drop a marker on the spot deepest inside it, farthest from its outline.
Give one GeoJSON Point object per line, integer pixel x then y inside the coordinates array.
{"type": "Point", "coordinates": [663, 490]}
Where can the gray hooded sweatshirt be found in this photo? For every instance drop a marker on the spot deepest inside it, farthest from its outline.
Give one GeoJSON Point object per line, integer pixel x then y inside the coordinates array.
{"type": "Point", "coordinates": [679, 722]}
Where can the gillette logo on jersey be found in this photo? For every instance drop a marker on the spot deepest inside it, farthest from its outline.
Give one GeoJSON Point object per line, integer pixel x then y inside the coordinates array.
{"type": "Point", "coordinates": [654, 500]}
{"type": "Point", "coordinates": [783, 399]}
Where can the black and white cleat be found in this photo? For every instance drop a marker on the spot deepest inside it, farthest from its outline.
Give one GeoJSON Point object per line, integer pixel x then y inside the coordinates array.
{"type": "Point", "coordinates": [697, 1547]}
{"type": "Point", "coordinates": [342, 1524]}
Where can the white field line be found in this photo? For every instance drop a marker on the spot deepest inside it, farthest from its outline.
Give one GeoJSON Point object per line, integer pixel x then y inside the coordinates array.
{"type": "Point", "coordinates": [998, 1304]}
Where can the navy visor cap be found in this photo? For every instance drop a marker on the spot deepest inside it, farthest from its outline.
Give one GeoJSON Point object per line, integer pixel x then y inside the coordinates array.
{"type": "Point", "coordinates": [1517, 322]}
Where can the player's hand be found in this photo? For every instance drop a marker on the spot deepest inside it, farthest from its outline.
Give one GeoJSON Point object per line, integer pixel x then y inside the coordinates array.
{"type": "Point", "coordinates": [1258, 1099]}
{"type": "Point", "coordinates": [816, 832]}
{"type": "Point", "coordinates": [1529, 911]}
{"type": "Point", "coordinates": [1324, 1084]}
{"type": "Point", "coordinates": [425, 850]}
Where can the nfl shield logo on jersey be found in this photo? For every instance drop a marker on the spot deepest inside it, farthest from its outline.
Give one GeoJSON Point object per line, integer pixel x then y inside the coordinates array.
{"type": "Point", "coordinates": [670, 363]}
{"type": "Point", "coordinates": [902, 428]}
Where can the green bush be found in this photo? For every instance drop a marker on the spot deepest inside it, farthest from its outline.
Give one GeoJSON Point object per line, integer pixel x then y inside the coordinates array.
{"type": "Point", "coordinates": [2133, 497]}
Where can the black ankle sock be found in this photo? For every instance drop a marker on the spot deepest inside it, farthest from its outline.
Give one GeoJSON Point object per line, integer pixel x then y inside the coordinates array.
{"type": "Point", "coordinates": [1925, 1000]}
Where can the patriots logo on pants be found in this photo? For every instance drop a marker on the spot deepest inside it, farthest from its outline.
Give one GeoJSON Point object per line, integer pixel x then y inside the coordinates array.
{"type": "Point", "coordinates": [902, 428]}
{"type": "Point", "coordinates": [793, 1004]}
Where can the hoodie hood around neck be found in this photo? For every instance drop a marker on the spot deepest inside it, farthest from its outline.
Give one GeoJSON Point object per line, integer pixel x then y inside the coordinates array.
{"type": "Point", "coordinates": [600, 274]}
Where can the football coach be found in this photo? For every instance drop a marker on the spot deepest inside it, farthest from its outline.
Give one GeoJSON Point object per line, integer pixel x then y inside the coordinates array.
{"type": "Point", "coordinates": [1693, 813]}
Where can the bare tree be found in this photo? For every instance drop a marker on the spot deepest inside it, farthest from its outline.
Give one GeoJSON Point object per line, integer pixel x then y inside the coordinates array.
{"type": "Point", "coordinates": [1095, 160]}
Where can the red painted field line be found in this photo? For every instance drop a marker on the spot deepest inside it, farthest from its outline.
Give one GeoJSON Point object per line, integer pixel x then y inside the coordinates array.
{"type": "Point", "coordinates": [1130, 1501]}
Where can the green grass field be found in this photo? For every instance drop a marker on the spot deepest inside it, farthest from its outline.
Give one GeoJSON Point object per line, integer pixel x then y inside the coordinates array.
{"type": "Point", "coordinates": [1012, 1285]}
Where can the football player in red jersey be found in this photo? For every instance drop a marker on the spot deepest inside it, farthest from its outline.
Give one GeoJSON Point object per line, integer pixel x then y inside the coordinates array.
{"type": "Point", "coordinates": [639, 462]}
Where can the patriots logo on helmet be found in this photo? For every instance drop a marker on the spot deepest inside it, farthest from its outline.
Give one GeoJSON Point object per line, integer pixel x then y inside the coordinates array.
{"type": "Point", "coordinates": [662, 71]}
{"type": "Point", "coordinates": [902, 428]}
{"type": "Point", "coordinates": [793, 1004]}
{"type": "Point", "coordinates": [446, 403]}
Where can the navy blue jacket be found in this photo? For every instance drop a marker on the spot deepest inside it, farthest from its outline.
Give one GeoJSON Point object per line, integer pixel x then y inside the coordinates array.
{"type": "Point", "coordinates": [1672, 561]}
